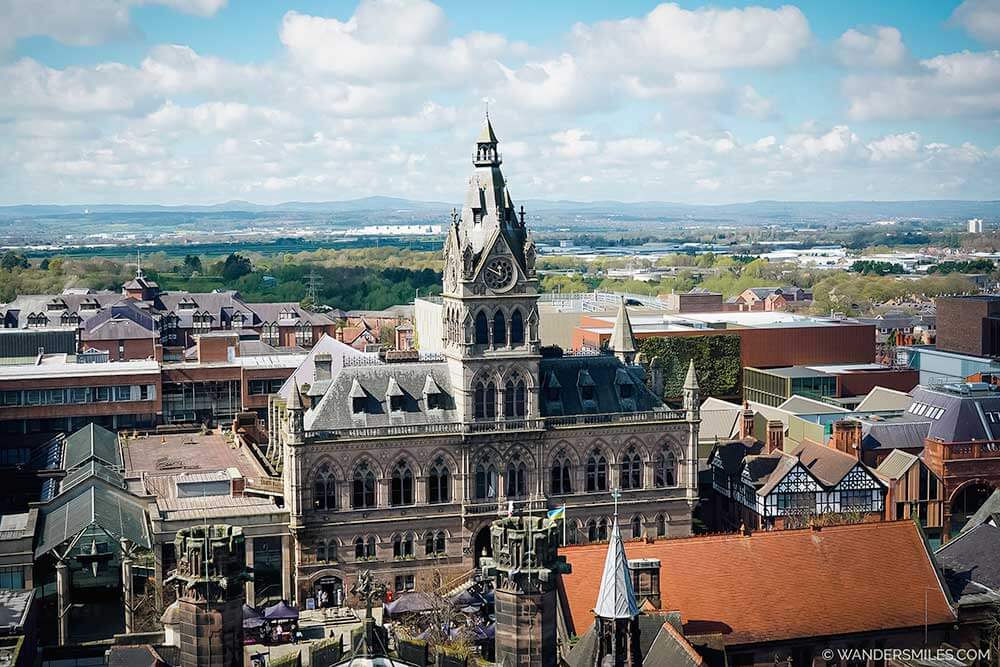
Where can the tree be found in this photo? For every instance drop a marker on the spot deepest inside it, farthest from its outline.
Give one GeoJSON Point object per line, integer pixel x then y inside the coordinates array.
{"type": "Point", "coordinates": [192, 264]}
{"type": "Point", "coordinates": [13, 261]}
{"type": "Point", "coordinates": [236, 266]}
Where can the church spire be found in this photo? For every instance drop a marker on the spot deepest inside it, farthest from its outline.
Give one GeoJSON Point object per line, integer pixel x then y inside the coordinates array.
{"type": "Point", "coordinates": [616, 598]}
{"type": "Point", "coordinates": [487, 154]}
{"type": "Point", "coordinates": [622, 342]}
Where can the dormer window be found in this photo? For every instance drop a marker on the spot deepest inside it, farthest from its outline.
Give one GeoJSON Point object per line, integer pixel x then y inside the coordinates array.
{"type": "Point", "coordinates": [625, 384]}
{"type": "Point", "coordinates": [187, 304]}
{"type": "Point", "coordinates": [359, 399]}
{"type": "Point", "coordinates": [394, 396]}
{"type": "Point", "coordinates": [237, 320]}
{"type": "Point", "coordinates": [433, 396]}
{"type": "Point", "coordinates": [552, 388]}
{"type": "Point", "coordinates": [586, 385]}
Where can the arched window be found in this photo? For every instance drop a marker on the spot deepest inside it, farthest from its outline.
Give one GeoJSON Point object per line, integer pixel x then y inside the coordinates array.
{"type": "Point", "coordinates": [440, 544]}
{"type": "Point", "coordinates": [661, 526]}
{"type": "Point", "coordinates": [516, 328]}
{"type": "Point", "coordinates": [363, 487]}
{"type": "Point", "coordinates": [499, 329]}
{"type": "Point", "coordinates": [562, 475]}
{"type": "Point", "coordinates": [485, 400]}
{"type": "Point", "coordinates": [636, 527]}
{"type": "Point", "coordinates": [482, 333]}
{"type": "Point", "coordinates": [325, 489]}
{"type": "Point", "coordinates": [359, 548]}
{"type": "Point", "coordinates": [514, 398]}
{"type": "Point", "coordinates": [597, 531]}
{"type": "Point", "coordinates": [326, 551]}
{"type": "Point", "coordinates": [402, 484]}
{"type": "Point", "coordinates": [517, 478]}
{"type": "Point", "coordinates": [486, 481]}
{"type": "Point", "coordinates": [631, 470]}
{"type": "Point", "coordinates": [665, 469]}
{"type": "Point", "coordinates": [597, 472]}
{"type": "Point", "coordinates": [370, 548]}
{"type": "Point", "coordinates": [438, 489]}
{"type": "Point", "coordinates": [402, 546]}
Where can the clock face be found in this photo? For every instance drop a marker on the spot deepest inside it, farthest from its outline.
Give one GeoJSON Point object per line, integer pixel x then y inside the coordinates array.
{"type": "Point", "coordinates": [499, 274]}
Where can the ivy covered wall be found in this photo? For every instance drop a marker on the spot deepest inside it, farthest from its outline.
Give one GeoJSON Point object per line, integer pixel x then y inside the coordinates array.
{"type": "Point", "coordinates": [716, 362]}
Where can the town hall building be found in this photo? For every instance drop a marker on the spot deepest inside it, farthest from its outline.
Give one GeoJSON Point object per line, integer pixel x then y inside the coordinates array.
{"type": "Point", "coordinates": [399, 464]}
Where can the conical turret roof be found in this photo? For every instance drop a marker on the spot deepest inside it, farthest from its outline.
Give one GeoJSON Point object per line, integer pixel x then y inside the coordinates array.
{"type": "Point", "coordinates": [622, 339]}
{"type": "Point", "coordinates": [616, 598]}
{"type": "Point", "coordinates": [691, 381]}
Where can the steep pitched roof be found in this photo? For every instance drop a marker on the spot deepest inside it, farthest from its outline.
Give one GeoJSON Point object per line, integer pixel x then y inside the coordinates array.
{"type": "Point", "coordinates": [615, 597]}
{"type": "Point", "coordinates": [622, 338]}
{"type": "Point", "coordinates": [970, 561]}
{"type": "Point", "coordinates": [827, 464]}
{"type": "Point", "coordinates": [829, 591]}
{"type": "Point", "coordinates": [988, 509]}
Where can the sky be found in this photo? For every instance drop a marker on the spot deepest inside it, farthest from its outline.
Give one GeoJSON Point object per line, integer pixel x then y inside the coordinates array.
{"type": "Point", "coordinates": [206, 101]}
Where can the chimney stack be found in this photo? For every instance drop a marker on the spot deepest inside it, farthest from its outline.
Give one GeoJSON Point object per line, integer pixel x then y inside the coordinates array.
{"type": "Point", "coordinates": [775, 435]}
{"type": "Point", "coordinates": [847, 437]}
{"type": "Point", "coordinates": [746, 421]}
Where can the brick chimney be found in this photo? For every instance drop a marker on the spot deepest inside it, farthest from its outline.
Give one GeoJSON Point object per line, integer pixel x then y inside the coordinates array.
{"type": "Point", "coordinates": [746, 421]}
{"type": "Point", "coordinates": [775, 435]}
{"type": "Point", "coordinates": [847, 437]}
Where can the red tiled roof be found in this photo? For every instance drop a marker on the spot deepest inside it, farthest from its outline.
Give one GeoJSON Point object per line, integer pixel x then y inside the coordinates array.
{"type": "Point", "coordinates": [780, 585]}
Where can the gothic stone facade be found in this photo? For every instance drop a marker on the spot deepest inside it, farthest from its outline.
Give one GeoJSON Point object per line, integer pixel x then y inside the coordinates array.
{"type": "Point", "coordinates": [401, 467]}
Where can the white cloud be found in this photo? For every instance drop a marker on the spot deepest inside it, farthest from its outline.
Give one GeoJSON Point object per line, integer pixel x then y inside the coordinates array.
{"type": "Point", "coordinates": [980, 18]}
{"type": "Point", "coordinates": [957, 84]}
{"type": "Point", "coordinates": [879, 46]}
{"type": "Point", "coordinates": [895, 147]}
{"type": "Point", "coordinates": [81, 22]}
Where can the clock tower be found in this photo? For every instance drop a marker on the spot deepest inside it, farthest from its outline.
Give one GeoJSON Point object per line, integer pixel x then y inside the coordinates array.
{"type": "Point", "coordinates": [490, 312]}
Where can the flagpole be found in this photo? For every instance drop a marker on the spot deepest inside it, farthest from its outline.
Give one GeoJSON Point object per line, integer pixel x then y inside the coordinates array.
{"type": "Point", "coordinates": [564, 524]}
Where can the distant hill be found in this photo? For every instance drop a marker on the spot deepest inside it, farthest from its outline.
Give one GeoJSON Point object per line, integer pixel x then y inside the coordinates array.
{"type": "Point", "coordinates": [770, 211]}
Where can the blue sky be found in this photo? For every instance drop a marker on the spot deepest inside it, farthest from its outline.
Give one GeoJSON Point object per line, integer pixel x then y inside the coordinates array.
{"type": "Point", "coordinates": [200, 101]}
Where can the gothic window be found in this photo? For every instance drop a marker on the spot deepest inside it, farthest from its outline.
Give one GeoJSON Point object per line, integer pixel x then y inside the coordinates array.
{"type": "Point", "coordinates": [631, 470]}
{"type": "Point", "coordinates": [516, 328]}
{"type": "Point", "coordinates": [364, 549]}
{"type": "Point", "coordinates": [326, 551]}
{"type": "Point", "coordinates": [402, 484]}
{"type": "Point", "coordinates": [437, 482]}
{"type": "Point", "coordinates": [325, 489]}
{"type": "Point", "coordinates": [482, 331]}
{"type": "Point", "coordinates": [562, 475]}
{"type": "Point", "coordinates": [517, 478]}
{"type": "Point", "coordinates": [434, 544]}
{"type": "Point", "coordinates": [665, 469]}
{"type": "Point", "coordinates": [269, 334]}
{"type": "Point", "coordinates": [661, 526]}
{"type": "Point", "coordinates": [499, 329]}
{"type": "Point", "coordinates": [486, 481]}
{"type": "Point", "coordinates": [636, 527]}
{"type": "Point", "coordinates": [597, 472]}
{"type": "Point", "coordinates": [363, 487]}
{"type": "Point", "coordinates": [597, 531]}
{"type": "Point", "coordinates": [514, 398]}
{"type": "Point", "coordinates": [439, 543]}
{"type": "Point", "coordinates": [485, 399]}
{"type": "Point", "coordinates": [402, 546]}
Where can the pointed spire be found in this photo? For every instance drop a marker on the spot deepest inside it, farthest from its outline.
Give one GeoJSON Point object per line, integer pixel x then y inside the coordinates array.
{"type": "Point", "coordinates": [691, 381]}
{"type": "Point", "coordinates": [487, 136]}
{"type": "Point", "coordinates": [622, 342]}
{"type": "Point", "coordinates": [295, 400]}
{"type": "Point", "coordinates": [616, 598]}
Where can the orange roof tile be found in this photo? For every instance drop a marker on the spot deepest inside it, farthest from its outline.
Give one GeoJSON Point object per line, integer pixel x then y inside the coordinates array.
{"type": "Point", "coordinates": [780, 585]}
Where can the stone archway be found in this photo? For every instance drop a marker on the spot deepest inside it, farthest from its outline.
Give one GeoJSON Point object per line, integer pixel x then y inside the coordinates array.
{"type": "Point", "coordinates": [481, 545]}
{"type": "Point", "coordinates": [965, 501]}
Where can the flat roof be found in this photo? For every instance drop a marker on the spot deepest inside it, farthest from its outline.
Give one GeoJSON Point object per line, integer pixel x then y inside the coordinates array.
{"type": "Point", "coordinates": [62, 368]}
{"type": "Point", "coordinates": [186, 452]}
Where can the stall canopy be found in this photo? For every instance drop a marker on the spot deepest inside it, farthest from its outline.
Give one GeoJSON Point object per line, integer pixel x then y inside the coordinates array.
{"type": "Point", "coordinates": [281, 612]}
{"type": "Point", "coordinates": [252, 618]}
{"type": "Point", "coordinates": [410, 603]}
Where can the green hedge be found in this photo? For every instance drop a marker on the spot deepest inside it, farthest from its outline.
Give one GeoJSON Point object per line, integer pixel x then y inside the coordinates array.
{"type": "Point", "coordinates": [716, 362]}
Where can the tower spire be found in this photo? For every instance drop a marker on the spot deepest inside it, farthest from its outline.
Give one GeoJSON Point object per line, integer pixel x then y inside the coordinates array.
{"type": "Point", "coordinates": [622, 342]}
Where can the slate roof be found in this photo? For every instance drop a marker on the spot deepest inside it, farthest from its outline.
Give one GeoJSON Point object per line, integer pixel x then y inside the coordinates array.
{"type": "Point", "coordinates": [904, 432]}
{"type": "Point", "coordinates": [832, 591]}
{"type": "Point", "coordinates": [572, 372]}
{"type": "Point", "coordinates": [970, 561]}
{"type": "Point", "coordinates": [615, 596]}
{"type": "Point", "coordinates": [766, 470]}
{"type": "Point", "coordinates": [731, 454]}
{"type": "Point", "coordinates": [118, 329]}
{"type": "Point", "coordinates": [963, 417]}
{"type": "Point", "coordinates": [827, 464]}
{"type": "Point", "coordinates": [335, 409]}
{"type": "Point", "coordinates": [305, 374]}
{"type": "Point", "coordinates": [662, 645]}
